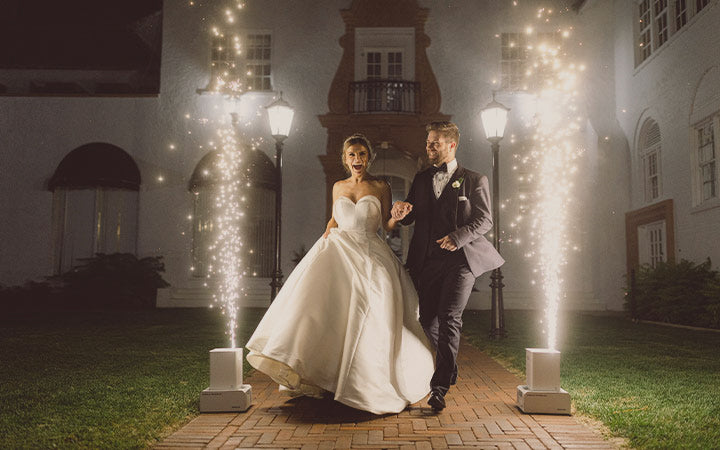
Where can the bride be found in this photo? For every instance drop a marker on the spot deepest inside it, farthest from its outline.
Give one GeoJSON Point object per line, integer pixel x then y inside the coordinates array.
{"type": "Point", "coordinates": [346, 320]}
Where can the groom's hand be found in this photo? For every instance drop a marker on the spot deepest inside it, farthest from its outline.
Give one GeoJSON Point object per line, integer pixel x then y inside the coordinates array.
{"type": "Point", "coordinates": [447, 243]}
{"type": "Point", "coordinates": [400, 210]}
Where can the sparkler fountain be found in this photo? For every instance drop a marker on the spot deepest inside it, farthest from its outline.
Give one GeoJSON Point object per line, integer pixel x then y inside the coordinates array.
{"type": "Point", "coordinates": [227, 393]}
{"type": "Point", "coordinates": [553, 157]}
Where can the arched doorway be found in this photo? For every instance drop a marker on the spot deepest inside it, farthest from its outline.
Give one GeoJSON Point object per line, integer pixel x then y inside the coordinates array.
{"type": "Point", "coordinates": [258, 235]}
{"type": "Point", "coordinates": [398, 169]}
{"type": "Point", "coordinates": [95, 204]}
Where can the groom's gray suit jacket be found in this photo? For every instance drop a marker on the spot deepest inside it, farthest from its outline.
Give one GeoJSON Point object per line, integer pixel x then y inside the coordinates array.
{"type": "Point", "coordinates": [469, 204]}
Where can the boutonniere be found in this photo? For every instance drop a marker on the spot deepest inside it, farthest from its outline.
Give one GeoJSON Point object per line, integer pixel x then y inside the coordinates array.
{"type": "Point", "coordinates": [456, 184]}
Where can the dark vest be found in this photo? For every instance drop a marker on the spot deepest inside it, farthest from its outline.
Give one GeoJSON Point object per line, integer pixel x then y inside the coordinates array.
{"type": "Point", "coordinates": [441, 224]}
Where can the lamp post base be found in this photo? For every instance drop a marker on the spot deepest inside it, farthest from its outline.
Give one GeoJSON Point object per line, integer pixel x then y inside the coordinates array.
{"type": "Point", "coordinates": [276, 284]}
{"type": "Point", "coordinates": [497, 310]}
{"type": "Point", "coordinates": [497, 333]}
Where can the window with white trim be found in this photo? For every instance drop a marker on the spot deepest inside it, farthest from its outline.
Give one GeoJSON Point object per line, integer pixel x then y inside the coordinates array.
{"type": "Point", "coordinates": [515, 58]}
{"type": "Point", "coordinates": [258, 65]}
{"type": "Point", "coordinates": [700, 4]}
{"type": "Point", "coordinates": [645, 24]}
{"type": "Point", "coordinates": [706, 160]}
{"type": "Point", "coordinates": [383, 64]}
{"type": "Point", "coordinates": [658, 20]}
{"type": "Point", "coordinates": [224, 56]}
{"type": "Point", "coordinates": [395, 65]}
{"type": "Point", "coordinates": [650, 155]}
{"type": "Point", "coordinates": [240, 63]}
{"type": "Point", "coordinates": [660, 14]}
{"type": "Point", "coordinates": [681, 13]}
{"type": "Point", "coordinates": [652, 243]}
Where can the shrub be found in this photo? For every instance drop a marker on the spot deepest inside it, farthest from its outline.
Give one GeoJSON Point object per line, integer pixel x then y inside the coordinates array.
{"type": "Point", "coordinates": [118, 280]}
{"type": "Point", "coordinates": [33, 295]}
{"type": "Point", "coordinates": [683, 293]}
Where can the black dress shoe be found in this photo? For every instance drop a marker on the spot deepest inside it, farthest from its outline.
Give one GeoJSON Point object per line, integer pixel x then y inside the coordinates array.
{"type": "Point", "coordinates": [436, 401]}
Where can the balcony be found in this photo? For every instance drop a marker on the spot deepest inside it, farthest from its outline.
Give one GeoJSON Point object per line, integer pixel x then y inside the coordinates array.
{"type": "Point", "coordinates": [384, 96]}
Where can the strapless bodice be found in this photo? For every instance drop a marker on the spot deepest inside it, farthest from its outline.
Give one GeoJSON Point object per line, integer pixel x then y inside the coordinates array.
{"type": "Point", "coordinates": [363, 216]}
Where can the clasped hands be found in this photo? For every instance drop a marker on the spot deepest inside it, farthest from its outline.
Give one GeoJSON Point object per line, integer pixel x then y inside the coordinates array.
{"type": "Point", "coordinates": [401, 209]}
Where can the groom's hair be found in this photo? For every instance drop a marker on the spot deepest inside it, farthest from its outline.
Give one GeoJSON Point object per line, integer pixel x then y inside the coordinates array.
{"type": "Point", "coordinates": [447, 129]}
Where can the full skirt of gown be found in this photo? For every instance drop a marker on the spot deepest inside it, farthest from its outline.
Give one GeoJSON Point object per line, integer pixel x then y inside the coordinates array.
{"type": "Point", "coordinates": [346, 321]}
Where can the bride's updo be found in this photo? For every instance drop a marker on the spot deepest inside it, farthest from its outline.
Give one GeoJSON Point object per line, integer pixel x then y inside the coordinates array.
{"type": "Point", "coordinates": [357, 138]}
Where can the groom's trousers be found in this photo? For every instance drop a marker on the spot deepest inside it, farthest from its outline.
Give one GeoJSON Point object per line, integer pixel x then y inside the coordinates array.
{"type": "Point", "coordinates": [444, 285]}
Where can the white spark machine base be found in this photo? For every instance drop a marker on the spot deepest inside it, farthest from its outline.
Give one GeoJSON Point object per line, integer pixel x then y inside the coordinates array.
{"type": "Point", "coordinates": [541, 402]}
{"type": "Point", "coordinates": [542, 394]}
{"type": "Point", "coordinates": [226, 393]}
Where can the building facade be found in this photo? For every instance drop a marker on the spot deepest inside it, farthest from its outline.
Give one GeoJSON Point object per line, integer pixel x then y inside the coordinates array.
{"type": "Point", "coordinates": [113, 154]}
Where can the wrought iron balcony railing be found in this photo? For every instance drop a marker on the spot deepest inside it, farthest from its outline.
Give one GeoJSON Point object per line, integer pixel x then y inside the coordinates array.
{"type": "Point", "coordinates": [385, 96]}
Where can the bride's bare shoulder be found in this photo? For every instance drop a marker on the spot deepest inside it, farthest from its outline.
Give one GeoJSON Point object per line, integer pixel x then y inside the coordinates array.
{"type": "Point", "coordinates": [340, 183]}
{"type": "Point", "coordinates": [340, 187]}
{"type": "Point", "coordinates": [376, 182]}
{"type": "Point", "coordinates": [380, 185]}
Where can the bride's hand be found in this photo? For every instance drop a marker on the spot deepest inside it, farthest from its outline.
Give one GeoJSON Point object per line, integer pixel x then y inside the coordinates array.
{"type": "Point", "coordinates": [400, 210]}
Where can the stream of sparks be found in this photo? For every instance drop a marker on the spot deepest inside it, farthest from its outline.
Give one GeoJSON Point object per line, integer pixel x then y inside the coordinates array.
{"type": "Point", "coordinates": [228, 246]}
{"type": "Point", "coordinates": [554, 155]}
{"type": "Point", "coordinates": [229, 208]}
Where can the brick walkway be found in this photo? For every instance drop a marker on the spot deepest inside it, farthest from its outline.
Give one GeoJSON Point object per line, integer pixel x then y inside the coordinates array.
{"type": "Point", "coordinates": [480, 413]}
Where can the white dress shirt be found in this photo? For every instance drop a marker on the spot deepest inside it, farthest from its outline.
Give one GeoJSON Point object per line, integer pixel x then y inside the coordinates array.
{"type": "Point", "coordinates": [440, 179]}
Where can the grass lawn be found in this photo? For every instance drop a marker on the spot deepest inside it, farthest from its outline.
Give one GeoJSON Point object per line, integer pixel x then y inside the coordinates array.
{"type": "Point", "coordinates": [105, 379]}
{"type": "Point", "coordinates": [125, 379]}
{"type": "Point", "coordinates": [657, 386]}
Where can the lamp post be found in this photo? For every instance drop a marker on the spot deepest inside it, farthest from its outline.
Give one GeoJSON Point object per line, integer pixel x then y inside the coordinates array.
{"type": "Point", "coordinates": [280, 116]}
{"type": "Point", "coordinates": [494, 119]}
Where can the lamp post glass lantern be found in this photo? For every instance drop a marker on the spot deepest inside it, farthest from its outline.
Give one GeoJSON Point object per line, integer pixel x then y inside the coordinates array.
{"type": "Point", "coordinates": [494, 118]}
{"type": "Point", "coordinates": [280, 115]}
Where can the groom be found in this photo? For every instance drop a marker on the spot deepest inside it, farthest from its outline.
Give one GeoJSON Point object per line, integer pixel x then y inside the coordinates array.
{"type": "Point", "coordinates": [450, 206]}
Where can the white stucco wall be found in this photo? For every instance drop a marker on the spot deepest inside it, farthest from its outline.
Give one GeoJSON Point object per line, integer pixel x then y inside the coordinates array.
{"type": "Point", "coordinates": [37, 132]}
{"type": "Point", "coordinates": [663, 88]}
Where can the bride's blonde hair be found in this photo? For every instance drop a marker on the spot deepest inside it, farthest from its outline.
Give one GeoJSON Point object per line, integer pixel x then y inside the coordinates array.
{"type": "Point", "coordinates": [357, 138]}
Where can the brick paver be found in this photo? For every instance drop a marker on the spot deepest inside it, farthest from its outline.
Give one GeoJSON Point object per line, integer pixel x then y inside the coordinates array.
{"type": "Point", "coordinates": [481, 413]}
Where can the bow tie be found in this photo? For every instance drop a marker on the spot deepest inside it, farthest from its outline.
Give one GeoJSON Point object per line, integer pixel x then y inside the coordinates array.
{"type": "Point", "coordinates": [441, 168]}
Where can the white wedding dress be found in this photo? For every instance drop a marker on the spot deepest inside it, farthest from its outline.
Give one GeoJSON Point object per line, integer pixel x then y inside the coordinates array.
{"type": "Point", "coordinates": [346, 320]}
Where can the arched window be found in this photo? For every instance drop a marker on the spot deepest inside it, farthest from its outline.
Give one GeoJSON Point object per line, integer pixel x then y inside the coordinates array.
{"type": "Point", "coordinates": [650, 157]}
{"type": "Point", "coordinates": [258, 235]}
{"type": "Point", "coordinates": [95, 204]}
{"type": "Point", "coordinates": [705, 149]}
